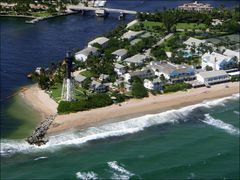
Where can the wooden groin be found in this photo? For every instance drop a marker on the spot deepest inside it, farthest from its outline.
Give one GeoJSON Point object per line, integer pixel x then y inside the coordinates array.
{"type": "Point", "coordinates": [38, 135]}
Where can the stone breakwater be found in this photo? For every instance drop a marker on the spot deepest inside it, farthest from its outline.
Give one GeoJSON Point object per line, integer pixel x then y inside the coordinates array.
{"type": "Point", "coordinates": [38, 136]}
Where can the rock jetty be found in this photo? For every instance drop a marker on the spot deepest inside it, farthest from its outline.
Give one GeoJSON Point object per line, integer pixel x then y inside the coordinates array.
{"type": "Point", "coordinates": [38, 136]}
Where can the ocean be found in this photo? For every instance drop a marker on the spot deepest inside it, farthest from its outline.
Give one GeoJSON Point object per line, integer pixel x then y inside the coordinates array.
{"type": "Point", "coordinates": [196, 142]}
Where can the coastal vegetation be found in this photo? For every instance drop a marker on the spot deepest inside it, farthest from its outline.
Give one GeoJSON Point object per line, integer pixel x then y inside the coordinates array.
{"type": "Point", "coordinates": [151, 43]}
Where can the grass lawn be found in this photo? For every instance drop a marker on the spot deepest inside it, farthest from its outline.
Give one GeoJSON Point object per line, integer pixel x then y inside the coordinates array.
{"type": "Point", "coordinates": [56, 92]}
{"type": "Point", "coordinates": [191, 26]}
{"type": "Point", "coordinates": [41, 14]}
{"type": "Point", "coordinates": [150, 24]}
{"type": "Point", "coordinates": [87, 73]}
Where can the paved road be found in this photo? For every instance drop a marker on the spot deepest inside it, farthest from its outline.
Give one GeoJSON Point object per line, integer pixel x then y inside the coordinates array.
{"type": "Point", "coordinates": [147, 52]}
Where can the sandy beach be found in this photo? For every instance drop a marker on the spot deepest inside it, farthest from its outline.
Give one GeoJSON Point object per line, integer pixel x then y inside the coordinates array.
{"type": "Point", "coordinates": [132, 108]}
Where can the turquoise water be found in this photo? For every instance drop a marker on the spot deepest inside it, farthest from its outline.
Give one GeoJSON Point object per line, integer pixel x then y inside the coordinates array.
{"type": "Point", "coordinates": [195, 142]}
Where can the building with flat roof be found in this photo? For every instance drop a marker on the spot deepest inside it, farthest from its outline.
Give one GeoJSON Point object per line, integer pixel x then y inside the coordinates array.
{"type": "Point", "coordinates": [213, 77]}
{"type": "Point", "coordinates": [83, 54]}
{"type": "Point", "coordinates": [195, 6]}
{"type": "Point", "coordinates": [120, 69]}
{"type": "Point", "coordinates": [102, 41]}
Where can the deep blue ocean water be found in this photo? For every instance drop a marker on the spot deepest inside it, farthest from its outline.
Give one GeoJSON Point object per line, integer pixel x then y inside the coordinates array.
{"type": "Point", "coordinates": [191, 149]}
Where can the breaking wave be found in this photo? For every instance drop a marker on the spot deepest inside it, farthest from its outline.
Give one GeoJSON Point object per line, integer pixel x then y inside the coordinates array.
{"type": "Point", "coordinates": [9, 147]}
{"type": "Point", "coordinates": [221, 125]}
{"type": "Point", "coordinates": [119, 171]}
{"type": "Point", "coordinates": [86, 175]}
{"type": "Point", "coordinates": [36, 159]}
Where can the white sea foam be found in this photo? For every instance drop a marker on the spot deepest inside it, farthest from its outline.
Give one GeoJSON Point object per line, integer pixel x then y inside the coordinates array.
{"type": "Point", "coordinates": [9, 147]}
{"type": "Point", "coordinates": [236, 112]}
{"type": "Point", "coordinates": [38, 158]}
{"type": "Point", "coordinates": [120, 172]}
{"type": "Point", "coordinates": [86, 175]}
{"type": "Point", "coordinates": [221, 125]}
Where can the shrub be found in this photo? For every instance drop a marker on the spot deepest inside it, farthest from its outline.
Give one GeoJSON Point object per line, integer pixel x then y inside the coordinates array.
{"type": "Point", "coordinates": [176, 87]}
{"type": "Point", "coordinates": [138, 90]}
{"type": "Point", "coordinates": [93, 101]}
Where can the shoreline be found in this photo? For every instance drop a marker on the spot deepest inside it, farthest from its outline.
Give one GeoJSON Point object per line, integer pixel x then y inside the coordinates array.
{"type": "Point", "coordinates": [132, 108]}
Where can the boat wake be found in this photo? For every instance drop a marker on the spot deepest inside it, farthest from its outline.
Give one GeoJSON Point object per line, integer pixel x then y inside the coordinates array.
{"type": "Point", "coordinates": [10, 147]}
{"type": "Point", "coordinates": [221, 125]}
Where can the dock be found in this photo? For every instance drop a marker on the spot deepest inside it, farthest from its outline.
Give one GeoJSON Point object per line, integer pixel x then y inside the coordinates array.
{"type": "Point", "coordinates": [38, 135]}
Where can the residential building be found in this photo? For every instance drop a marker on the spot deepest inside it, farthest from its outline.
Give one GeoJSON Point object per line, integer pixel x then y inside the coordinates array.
{"type": "Point", "coordinates": [193, 43]}
{"type": "Point", "coordinates": [103, 77]}
{"type": "Point", "coordinates": [38, 70]}
{"type": "Point", "coordinates": [120, 54]}
{"type": "Point", "coordinates": [217, 61]}
{"type": "Point", "coordinates": [154, 84]}
{"type": "Point", "coordinates": [145, 73]}
{"type": "Point", "coordinates": [213, 77]}
{"type": "Point", "coordinates": [85, 53]}
{"type": "Point", "coordinates": [216, 22]}
{"type": "Point", "coordinates": [98, 87]}
{"type": "Point", "coordinates": [137, 59]}
{"type": "Point", "coordinates": [102, 41]}
{"type": "Point", "coordinates": [172, 72]}
{"type": "Point", "coordinates": [130, 35]}
{"type": "Point", "coordinates": [195, 6]}
{"type": "Point", "coordinates": [79, 78]}
{"type": "Point", "coordinates": [119, 69]}
{"type": "Point", "coordinates": [231, 53]}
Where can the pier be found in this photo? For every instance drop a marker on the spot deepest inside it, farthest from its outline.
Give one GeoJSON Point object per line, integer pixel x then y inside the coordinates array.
{"type": "Point", "coordinates": [38, 136]}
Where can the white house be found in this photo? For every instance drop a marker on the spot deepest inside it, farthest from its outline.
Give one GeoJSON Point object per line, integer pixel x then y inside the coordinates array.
{"type": "Point", "coordinates": [231, 53]}
{"type": "Point", "coordinates": [154, 84]}
{"type": "Point", "coordinates": [130, 35]}
{"type": "Point", "coordinates": [103, 77]}
{"type": "Point", "coordinates": [102, 41]}
{"type": "Point", "coordinates": [193, 43]}
{"type": "Point", "coordinates": [212, 77]}
{"type": "Point", "coordinates": [119, 69]}
{"type": "Point", "coordinates": [216, 61]}
{"type": "Point", "coordinates": [83, 54]}
{"type": "Point", "coordinates": [145, 73]}
{"type": "Point", "coordinates": [172, 71]}
{"type": "Point", "coordinates": [98, 87]}
{"type": "Point", "coordinates": [120, 54]}
{"type": "Point", "coordinates": [137, 59]}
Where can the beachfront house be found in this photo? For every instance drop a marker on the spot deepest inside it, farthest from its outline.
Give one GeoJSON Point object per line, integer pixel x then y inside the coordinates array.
{"type": "Point", "coordinates": [102, 41]}
{"type": "Point", "coordinates": [120, 54]}
{"type": "Point", "coordinates": [85, 53]}
{"type": "Point", "coordinates": [217, 61]}
{"type": "Point", "coordinates": [172, 72]}
{"type": "Point", "coordinates": [98, 87]}
{"type": "Point", "coordinates": [120, 69]}
{"type": "Point", "coordinates": [145, 73]}
{"type": "Point", "coordinates": [213, 77]}
{"type": "Point", "coordinates": [130, 35]}
{"type": "Point", "coordinates": [137, 59]}
{"type": "Point", "coordinates": [195, 6]}
{"type": "Point", "coordinates": [232, 54]}
{"type": "Point", "coordinates": [193, 43]}
{"type": "Point", "coordinates": [155, 84]}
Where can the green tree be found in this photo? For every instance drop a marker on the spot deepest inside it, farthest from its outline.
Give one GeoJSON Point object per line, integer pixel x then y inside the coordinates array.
{"type": "Point", "coordinates": [138, 90]}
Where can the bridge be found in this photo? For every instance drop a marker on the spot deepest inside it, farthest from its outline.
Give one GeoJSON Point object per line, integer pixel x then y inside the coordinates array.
{"type": "Point", "coordinates": [108, 10]}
